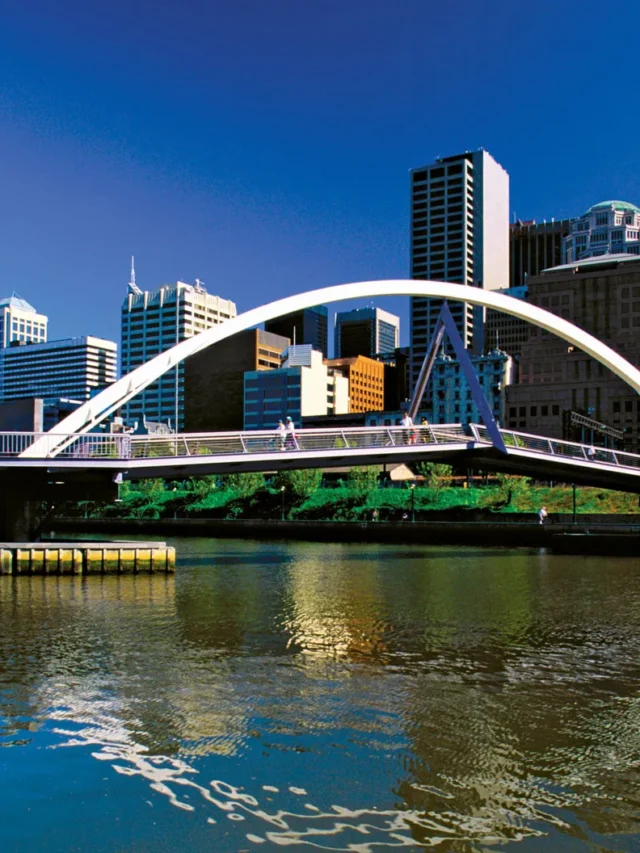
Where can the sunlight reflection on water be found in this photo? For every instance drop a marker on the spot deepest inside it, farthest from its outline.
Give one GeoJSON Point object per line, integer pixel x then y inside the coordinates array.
{"type": "Point", "coordinates": [308, 699]}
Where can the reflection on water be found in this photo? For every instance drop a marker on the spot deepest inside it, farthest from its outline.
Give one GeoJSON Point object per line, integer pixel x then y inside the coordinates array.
{"type": "Point", "coordinates": [327, 696]}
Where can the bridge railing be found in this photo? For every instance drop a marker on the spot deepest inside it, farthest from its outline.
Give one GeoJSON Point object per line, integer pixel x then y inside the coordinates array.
{"type": "Point", "coordinates": [304, 440]}
{"type": "Point", "coordinates": [566, 449]}
{"type": "Point", "coordinates": [87, 446]}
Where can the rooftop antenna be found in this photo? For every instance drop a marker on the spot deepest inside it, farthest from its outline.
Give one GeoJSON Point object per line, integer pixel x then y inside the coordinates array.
{"type": "Point", "coordinates": [133, 287]}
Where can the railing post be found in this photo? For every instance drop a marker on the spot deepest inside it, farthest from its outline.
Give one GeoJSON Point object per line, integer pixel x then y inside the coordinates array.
{"type": "Point", "coordinates": [344, 438]}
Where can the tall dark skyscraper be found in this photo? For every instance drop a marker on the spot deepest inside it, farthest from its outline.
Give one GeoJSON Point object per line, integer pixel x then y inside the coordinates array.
{"type": "Point", "coordinates": [535, 246]}
{"type": "Point", "coordinates": [365, 331]}
{"type": "Point", "coordinates": [309, 326]}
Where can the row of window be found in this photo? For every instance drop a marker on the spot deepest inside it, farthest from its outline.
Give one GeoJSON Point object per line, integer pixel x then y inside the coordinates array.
{"type": "Point", "coordinates": [436, 172]}
{"type": "Point", "coordinates": [521, 411]}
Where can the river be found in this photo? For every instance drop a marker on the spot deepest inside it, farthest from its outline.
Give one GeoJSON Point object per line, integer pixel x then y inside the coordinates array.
{"type": "Point", "coordinates": [324, 696]}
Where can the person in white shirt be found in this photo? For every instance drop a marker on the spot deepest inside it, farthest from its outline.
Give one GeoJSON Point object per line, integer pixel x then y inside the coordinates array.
{"type": "Point", "coordinates": [291, 434]}
{"type": "Point", "coordinates": [281, 433]}
{"type": "Point", "coordinates": [542, 514]}
{"type": "Point", "coordinates": [408, 434]}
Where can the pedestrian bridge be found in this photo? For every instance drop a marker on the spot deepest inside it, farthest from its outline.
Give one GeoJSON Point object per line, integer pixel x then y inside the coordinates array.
{"type": "Point", "coordinates": [180, 456]}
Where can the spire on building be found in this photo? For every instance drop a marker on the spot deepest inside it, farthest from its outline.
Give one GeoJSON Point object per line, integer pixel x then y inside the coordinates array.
{"type": "Point", "coordinates": [133, 287]}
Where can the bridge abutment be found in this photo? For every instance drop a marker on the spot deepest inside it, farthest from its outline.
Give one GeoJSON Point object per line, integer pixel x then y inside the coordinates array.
{"type": "Point", "coordinates": [20, 517]}
{"type": "Point", "coordinates": [27, 498]}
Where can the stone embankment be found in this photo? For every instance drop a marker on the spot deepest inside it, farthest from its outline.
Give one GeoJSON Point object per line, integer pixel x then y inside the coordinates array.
{"type": "Point", "coordinates": [513, 530]}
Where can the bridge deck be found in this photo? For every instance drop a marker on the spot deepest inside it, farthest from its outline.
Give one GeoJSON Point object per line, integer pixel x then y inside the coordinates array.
{"type": "Point", "coordinates": [183, 455]}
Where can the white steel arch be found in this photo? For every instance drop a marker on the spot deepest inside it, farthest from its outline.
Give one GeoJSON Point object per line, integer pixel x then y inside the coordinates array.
{"type": "Point", "coordinates": [95, 410]}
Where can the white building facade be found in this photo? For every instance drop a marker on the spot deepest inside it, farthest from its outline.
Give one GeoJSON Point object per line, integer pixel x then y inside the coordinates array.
{"type": "Point", "coordinates": [75, 368]}
{"type": "Point", "coordinates": [607, 228]}
{"type": "Point", "coordinates": [304, 386]}
{"type": "Point", "coordinates": [19, 321]}
{"type": "Point", "coordinates": [460, 234]}
{"type": "Point", "coordinates": [154, 321]}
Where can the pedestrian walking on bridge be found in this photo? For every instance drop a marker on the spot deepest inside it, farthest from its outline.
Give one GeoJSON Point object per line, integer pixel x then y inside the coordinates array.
{"type": "Point", "coordinates": [292, 443]}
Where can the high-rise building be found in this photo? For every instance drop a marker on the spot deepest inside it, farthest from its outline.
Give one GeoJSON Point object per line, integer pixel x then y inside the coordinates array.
{"type": "Point", "coordinates": [74, 368]}
{"type": "Point", "coordinates": [154, 321]}
{"type": "Point", "coordinates": [214, 379]}
{"type": "Point", "coordinates": [302, 387]}
{"type": "Point", "coordinates": [607, 228]}
{"type": "Point", "coordinates": [535, 246]}
{"type": "Point", "coordinates": [602, 296]}
{"type": "Point", "coordinates": [366, 382]}
{"type": "Point", "coordinates": [19, 321]}
{"type": "Point", "coordinates": [460, 234]}
{"type": "Point", "coordinates": [309, 326]}
{"type": "Point", "coordinates": [365, 331]}
{"type": "Point", "coordinates": [504, 331]}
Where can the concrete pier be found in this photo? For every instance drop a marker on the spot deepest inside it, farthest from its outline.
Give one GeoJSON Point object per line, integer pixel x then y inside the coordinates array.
{"type": "Point", "coordinates": [85, 558]}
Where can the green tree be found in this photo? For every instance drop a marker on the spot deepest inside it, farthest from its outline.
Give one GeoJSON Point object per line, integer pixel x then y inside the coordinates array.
{"type": "Point", "coordinates": [125, 490]}
{"type": "Point", "coordinates": [512, 489]}
{"type": "Point", "coordinates": [434, 473]}
{"type": "Point", "coordinates": [244, 485]}
{"type": "Point", "coordinates": [151, 489]}
{"type": "Point", "coordinates": [364, 478]}
{"type": "Point", "coordinates": [202, 485]}
{"type": "Point", "coordinates": [299, 483]}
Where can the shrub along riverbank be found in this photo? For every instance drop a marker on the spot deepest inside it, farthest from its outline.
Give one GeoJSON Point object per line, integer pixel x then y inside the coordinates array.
{"type": "Point", "coordinates": [360, 496]}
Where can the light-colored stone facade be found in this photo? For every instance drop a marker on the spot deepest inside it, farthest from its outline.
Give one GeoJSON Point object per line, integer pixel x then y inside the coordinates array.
{"type": "Point", "coordinates": [607, 228]}
{"type": "Point", "coordinates": [602, 296]}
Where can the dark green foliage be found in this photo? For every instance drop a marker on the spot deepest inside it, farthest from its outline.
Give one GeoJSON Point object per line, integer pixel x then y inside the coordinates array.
{"type": "Point", "coordinates": [298, 483]}
{"type": "Point", "coordinates": [247, 496]}
{"type": "Point", "coordinates": [434, 473]}
{"type": "Point", "coordinates": [364, 478]}
{"type": "Point", "coordinates": [244, 485]}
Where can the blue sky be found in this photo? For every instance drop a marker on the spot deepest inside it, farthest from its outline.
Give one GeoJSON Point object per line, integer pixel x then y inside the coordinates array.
{"type": "Point", "coordinates": [264, 147]}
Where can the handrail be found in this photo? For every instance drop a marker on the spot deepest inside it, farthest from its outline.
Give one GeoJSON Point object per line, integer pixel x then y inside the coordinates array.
{"type": "Point", "coordinates": [310, 441]}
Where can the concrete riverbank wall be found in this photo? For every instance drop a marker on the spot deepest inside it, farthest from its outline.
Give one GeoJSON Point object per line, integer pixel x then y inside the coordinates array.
{"type": "Point", "coordinates": [517, 532]}
{"type": "Point", "coordinates": [85, 558]}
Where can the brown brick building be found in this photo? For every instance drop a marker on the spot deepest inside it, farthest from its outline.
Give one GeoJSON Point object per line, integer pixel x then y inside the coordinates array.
{"type": "Point", "coordinates": [602, 296]}
{"type": "Point", "coordinates": [214, 379]}
{"type": "Point", "coordinates": [366, 382]}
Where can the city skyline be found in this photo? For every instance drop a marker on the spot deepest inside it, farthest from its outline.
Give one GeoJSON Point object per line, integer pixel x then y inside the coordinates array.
{"type": "Point", "coordinates": [263, 168]}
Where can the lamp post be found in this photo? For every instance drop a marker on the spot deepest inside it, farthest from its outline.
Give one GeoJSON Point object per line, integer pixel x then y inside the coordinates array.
{"type": "Point", "coordinates": [282, 504]}
{"type": "Point", "coordinates": [413, 502]}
